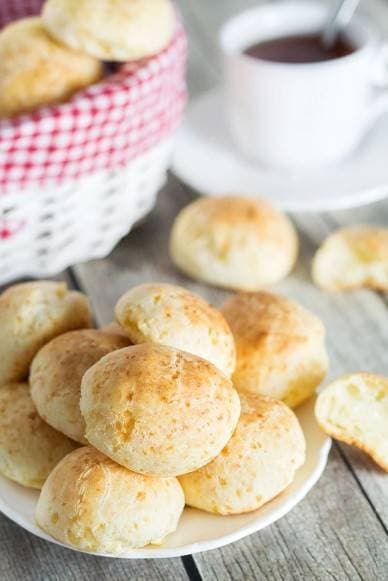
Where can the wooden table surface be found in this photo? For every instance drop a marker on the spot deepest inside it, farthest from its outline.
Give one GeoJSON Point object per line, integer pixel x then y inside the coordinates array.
{"type": "Point", "coordinates": [340, 530]}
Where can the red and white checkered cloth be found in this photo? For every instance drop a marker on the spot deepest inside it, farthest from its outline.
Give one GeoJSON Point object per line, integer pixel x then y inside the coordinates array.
{"type": "Point", "coordinates": [102, 127]}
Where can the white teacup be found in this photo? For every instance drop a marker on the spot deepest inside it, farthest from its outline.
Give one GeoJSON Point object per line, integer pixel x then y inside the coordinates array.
{"type": "Point", "coordinates": [293, 115]}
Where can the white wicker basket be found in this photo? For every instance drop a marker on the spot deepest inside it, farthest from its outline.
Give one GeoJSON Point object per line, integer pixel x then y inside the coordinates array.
{"type": "Point", "coordinates": [60, 225]}
{"type": "Point", "coordinates": [75, 177]}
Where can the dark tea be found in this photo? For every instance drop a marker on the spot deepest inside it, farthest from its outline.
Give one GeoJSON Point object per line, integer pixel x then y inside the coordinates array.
{"type": "Point", "coordinates": [306, 48]}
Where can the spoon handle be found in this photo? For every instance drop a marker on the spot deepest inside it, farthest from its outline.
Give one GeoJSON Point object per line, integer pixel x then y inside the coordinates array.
{"type": "Point", "coordinates": [338, 19]}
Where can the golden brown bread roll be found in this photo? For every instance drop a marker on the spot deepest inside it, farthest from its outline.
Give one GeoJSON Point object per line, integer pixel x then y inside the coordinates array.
{"type": "Point", "coordinates": [257, 464]}
{"type": "Point", "coordinates": [93, 504]}
{"type": "Point", "coordinates": [233, 242]}
{"type": "Point", "coordinates": [121, 31]}
{"type": "Point", "coordinates": [353, 257]}
{"type": "Point", "coordinates": [157, 410]}
{"type": "Point", "coordinates": [171, 315]}
{"type": "Point", "coordinates": [280, 346]}
{"type": "Point", "coordinates": [29, 448]}
{"type": "Point", "coordinates": [354, 409]}
{"type": "Point", "coordinates": [36, 70]}
{"type": "Point", "coordinates": [31, 314]}
{"type": "Point", "coordinates": [56, 374]}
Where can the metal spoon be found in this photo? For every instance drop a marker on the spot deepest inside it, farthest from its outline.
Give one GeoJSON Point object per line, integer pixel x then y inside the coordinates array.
{"type": "Point", "coordinates": [338, 19]}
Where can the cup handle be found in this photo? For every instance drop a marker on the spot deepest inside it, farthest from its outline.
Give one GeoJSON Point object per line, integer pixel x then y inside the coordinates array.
{"type": "Point", "coordinates": [379, 104]}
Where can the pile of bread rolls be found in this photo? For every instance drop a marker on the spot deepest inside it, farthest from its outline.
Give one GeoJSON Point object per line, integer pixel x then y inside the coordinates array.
{"type": "Point", "coordinates": [46, 59]}
{"type": "Point", "coordinates": [123, 426]}
{"type": "Point", "coordinates": [175, 403]}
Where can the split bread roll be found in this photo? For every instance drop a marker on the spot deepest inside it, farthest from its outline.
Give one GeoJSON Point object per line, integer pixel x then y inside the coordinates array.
{"type": "Point", "coordinates": [56, 374]}
{"type": "Point", "coordinates": [122, 30]}
{"type": "Point", "coordinates": [257, 464]}
{"type": "Point", "coordinates": [280, 347]}
{"type": "Point", "coordinates": [233, 242]}
{"type": "Point", "coordinates": [351, 258]}
{"type": "Point", "coordinates": [36, 70]}
{"type": "Point", "coordinates": [157, 410]}
{"type": "Point", "coordinates": [354, 409]}
{"type": "Point", "coordinates": [29, 448]}
{"type": "Point", "coordinates": [173, 316]}
{"type": "Point", "coordinates": [93, 504]}
{"type": "Point", "coordinates": [32, 314]}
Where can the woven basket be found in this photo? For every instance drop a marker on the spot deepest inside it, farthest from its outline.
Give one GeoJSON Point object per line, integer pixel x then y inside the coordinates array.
{"type": "Point", "coordinates": [75, 177]}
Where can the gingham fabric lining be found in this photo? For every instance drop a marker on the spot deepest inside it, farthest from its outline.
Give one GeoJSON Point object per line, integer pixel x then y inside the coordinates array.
{"type": "Point", "coordinates": [103, 127]}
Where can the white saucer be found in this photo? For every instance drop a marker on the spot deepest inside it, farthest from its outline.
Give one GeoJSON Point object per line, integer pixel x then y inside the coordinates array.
{"type": "Point", "coordinates": [207, 160]}
{"type": "Point", "coordinates": [199, 531]}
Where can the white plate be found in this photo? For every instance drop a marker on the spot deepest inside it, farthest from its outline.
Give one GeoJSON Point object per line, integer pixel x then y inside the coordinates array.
{"type": "Point", "coordinates": [207, 160]}
{"type": "Point", "coordinates": [199, 531]}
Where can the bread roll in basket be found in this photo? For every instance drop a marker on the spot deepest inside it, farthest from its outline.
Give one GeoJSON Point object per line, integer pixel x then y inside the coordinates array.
{"type": "Point", "coordinates": [75, 177]}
